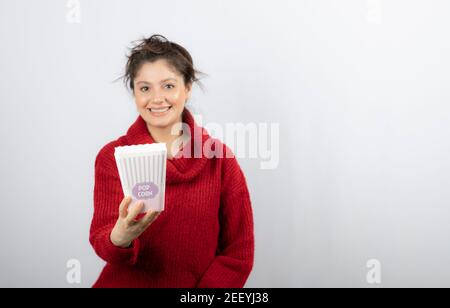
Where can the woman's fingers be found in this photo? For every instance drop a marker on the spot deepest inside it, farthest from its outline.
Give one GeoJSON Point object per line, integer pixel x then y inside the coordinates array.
{"type": "Point", "coordinates": [123, 208]}
{"type": "Point", "coordinates": [149, 218]}
{"type": "Point", "coordinates": [134, 212]}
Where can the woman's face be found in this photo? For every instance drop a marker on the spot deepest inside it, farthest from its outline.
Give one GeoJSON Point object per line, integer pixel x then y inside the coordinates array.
{"type": "Point", "coordinates": [160, 94]}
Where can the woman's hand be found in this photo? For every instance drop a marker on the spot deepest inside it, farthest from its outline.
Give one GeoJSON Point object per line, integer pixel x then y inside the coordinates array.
{"type": "Point", "coordinates": [127, 228]}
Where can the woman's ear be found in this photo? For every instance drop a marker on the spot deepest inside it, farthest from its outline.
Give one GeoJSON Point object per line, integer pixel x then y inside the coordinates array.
{"type": "Point", "coordinates": [188, 90]}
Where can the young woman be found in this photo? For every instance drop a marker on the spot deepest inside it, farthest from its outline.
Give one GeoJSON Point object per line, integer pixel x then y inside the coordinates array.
{"type": "Point", "coordinates": [204, 237]}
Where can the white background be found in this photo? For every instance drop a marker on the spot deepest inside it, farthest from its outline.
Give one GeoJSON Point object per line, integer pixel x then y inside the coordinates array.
{"type": "Point", "coordinates": [360, 89]}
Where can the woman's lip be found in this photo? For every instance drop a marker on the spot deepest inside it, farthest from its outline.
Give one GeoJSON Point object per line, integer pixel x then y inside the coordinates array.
{"type": "Point", "coordinates": [162, 107]}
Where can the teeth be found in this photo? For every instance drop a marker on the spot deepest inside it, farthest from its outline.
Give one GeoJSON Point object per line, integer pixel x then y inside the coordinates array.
{"type": "Point", "coordinates": [159, 110]}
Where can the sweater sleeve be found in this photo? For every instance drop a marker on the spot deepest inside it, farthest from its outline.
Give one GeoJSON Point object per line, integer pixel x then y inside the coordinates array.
{"type": "Point", "coordinates": [234, 258]}
{"type": "Point", "coordinates": [107, 197]}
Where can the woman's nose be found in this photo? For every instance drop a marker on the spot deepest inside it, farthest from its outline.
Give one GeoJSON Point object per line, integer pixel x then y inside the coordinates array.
{"type": "Point", "coordinates": [157, 99]}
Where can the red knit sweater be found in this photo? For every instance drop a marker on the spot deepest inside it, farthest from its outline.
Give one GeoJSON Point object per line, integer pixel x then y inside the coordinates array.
{"type": "Point", "coordinates": [203, 238]}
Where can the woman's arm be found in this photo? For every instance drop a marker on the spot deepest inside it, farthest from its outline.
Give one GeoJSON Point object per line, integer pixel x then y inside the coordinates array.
{"type": "Point", "coordinates": [107, 198]}
{"type": "Point", "coordinates": [234, 260]}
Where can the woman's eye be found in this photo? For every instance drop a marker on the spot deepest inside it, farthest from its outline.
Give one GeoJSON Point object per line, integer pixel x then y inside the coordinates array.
{"type": "Point", "coordinates": [170, 86]}
{"type": "Point", "coordinates": [144, 89]}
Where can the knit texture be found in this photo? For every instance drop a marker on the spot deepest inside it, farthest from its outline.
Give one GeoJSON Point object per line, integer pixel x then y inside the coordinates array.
{"type": "Point", "coordinates": [204, 237]}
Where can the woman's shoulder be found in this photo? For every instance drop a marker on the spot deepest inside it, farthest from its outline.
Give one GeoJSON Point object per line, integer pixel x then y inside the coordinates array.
{"type": "Point", "coordinates": [106, 153]}
{"type": "Point", "coordinates": [233, 178]}
{"type": "Point", "coordinates": [227, 158]}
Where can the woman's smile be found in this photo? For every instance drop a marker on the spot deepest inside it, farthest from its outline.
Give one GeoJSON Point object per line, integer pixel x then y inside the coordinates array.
{"type": "Point", "coordinates": [160, 111]}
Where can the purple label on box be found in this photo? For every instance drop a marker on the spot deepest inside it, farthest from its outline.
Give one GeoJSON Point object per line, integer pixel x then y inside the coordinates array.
{"type": "Point", "coordinates": [145, 191]}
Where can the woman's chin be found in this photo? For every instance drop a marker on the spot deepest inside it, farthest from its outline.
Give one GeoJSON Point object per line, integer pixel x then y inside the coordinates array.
{"type": "Point", "coordinates": [162, 123]}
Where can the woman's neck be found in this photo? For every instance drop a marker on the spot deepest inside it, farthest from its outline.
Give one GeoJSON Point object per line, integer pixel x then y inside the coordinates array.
{"type": "Point", "coordinates": [166, 135]}
{"type": "Point", "coordinates": [163, 134]}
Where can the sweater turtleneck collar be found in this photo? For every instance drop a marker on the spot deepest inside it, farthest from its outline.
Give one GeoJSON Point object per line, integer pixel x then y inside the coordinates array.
{"type": "Point", "coordinates": [182, 167]}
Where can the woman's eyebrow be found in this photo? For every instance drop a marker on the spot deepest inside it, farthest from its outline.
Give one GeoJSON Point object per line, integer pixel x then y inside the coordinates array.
{"type": "Point", "coordinates": [167, 79]}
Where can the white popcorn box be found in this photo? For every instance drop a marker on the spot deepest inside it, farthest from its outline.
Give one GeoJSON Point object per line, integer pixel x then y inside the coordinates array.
{"type": "Point", "coordinates": [142, 172]}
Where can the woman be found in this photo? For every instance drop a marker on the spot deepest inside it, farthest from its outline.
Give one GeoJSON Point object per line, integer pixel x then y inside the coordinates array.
{"type": "Point", "coordinates": [204, 237]}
